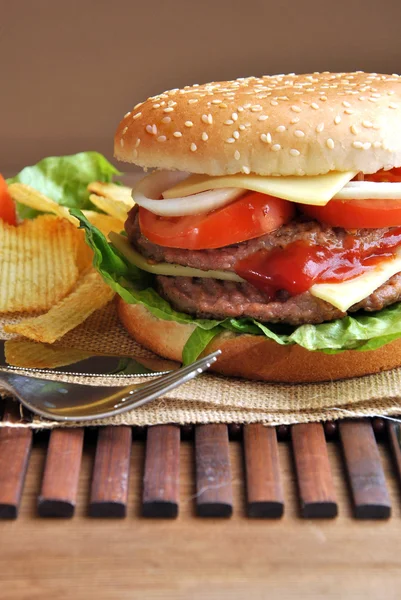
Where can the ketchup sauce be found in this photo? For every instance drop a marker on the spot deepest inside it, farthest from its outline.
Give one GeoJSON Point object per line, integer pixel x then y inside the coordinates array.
{"type": "Point", "coordinates": [301, 264]}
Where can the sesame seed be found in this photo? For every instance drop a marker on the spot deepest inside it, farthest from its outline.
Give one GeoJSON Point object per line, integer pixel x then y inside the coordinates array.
{"type": "Point", "coordinates": [346, 104]}
{"type": "Point", "coordinates": [188, 124]}
{"type": "Point", "coordinates": [367, 124]}
{"type": "Point", "coordinates": [330, 143]}
{"type": "Point", "coordinates": [294, 152]}
{"type": "Point", "coordinates": [166, 119]}
{"type": "Point", "coordinates": [127, 114]}
{"type": "Point", "coordinates": [137, 116]}
{"type": "Point", "coordinates": [240, 108]}
{"type": "Point", "coordinates": [263, 118]}
{"type": "Point", "coordinates": [168, 109]}
{"type": "Point", "coordinates": [323, 98]}
{"type": "Point", "coordinates": [315, 106]}
{"type": "Point", "coordinates": [205, 136]}
{"type": "Point", "coordinates": [161, 138]}
{"type": "Point", "coordinates": [274, 102]}
{"type": "Point", "coordinates": [230, 140]}
{"type": "Point", "coordinates": [295, 108]}
{"type": "Point", "coordinates": [124, 130]}
{"type": "Point", "coordinates": [256, 108]}
{"type": "Point", "coordinates": [280, 128]}
{"type": "Point", "coordinates": [193, 147]}
{"type": "Point", "coordinates": [266, 138]}
{"type": "Point", "coordinates": [294, 120]}
{"type": "Point", "coordinates": [276, 147]}
{"type": "Point", "coordinates": [229, 122]}
{"type": "Point", "coordinates": [234, 116]}
{"type": "Point", "coordinates": [193, 100]}
{"type": "Point", "coordinates": [135, 153]}
{"type": "Point", "coordinates": [354, 130]}
{"type": "Point", "coordinates": [246, 170]}
{"type": "Point", "coordinates": [237, 155]}
{"type": "Point", "coordinates": [348, 111]}
{"type": "Point", "coordinates": [236, 135]}
{"type": "Point", "coordinates": [122, 143]}
{"type": "Point", "coordinates": [177, 134]}
{"type": "Point", "coordinates": [242, 127]}
{"type": "Point", "coordinates": [337, 119]}
{"type": "Point", "coordinates": [138, 105]}
{"type": "Point", "coordinates": [223, 105]}
{"type": "Point", "coordinates": [377, 144]}
{"type": "Point", "coordinates": [138, 141]}
{"type": "Point", "coordinates": [357, 145]}
{"type": "Point", "coordinates": [152, 129]}
{"type": "Point", "coordinates": [319, 128]}
{"type": "Point", "coordinates": [392, 105]}
{"type": "Point", "coordinates": [299, 133]}
{"type": "Point", "coordinates": [216, 101]}
{"type": "Point", "coordinates": [210, 119]}
{"type": "Point", "coordinates": [367, 145]}
{"type": "Point", "coordinates": [156, 106]}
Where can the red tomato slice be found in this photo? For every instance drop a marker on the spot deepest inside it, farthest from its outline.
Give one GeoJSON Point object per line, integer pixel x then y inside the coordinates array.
{"type": "Point", "coordinates": [7, 205]}
{"type": "Point", "coordinates": [250, 216]}
{"type": "Point", "coordinates": [361, 214]}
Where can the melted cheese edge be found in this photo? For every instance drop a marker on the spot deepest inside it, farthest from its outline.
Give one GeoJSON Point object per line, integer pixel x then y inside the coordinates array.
{"type": "Point", "coordinates": [317, 190]}
{"type": "Point", "coordinates": [347, 293]}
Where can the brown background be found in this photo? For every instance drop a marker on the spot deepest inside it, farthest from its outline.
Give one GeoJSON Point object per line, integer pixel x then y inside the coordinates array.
{"type": "Point", "coordinates": [70, 69]}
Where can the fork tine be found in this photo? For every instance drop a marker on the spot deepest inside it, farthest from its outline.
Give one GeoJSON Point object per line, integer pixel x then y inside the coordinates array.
{"type": "Point", "coordinates": [179, 373]}
{"type": "Point", "coordinates": [169, 382]}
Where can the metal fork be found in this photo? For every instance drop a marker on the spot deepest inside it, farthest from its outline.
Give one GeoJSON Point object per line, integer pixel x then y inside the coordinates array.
{"type": "Point", "coordinates": [60, 401]}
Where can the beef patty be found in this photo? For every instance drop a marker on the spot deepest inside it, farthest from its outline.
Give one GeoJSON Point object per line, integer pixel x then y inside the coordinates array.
{"type": "Point", "coordinates": [225, 258]}
{"type": "Point", "coordinates": [212, 298]}
{"type": "Point", "coordinates": [215, 299]}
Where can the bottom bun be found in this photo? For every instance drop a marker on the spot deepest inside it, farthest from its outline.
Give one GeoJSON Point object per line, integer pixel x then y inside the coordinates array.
{"type": "Point", "coordinates": [256, 357]}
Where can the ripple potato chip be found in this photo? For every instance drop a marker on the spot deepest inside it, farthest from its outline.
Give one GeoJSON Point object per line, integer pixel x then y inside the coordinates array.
{"type": "Point", "coordinates": [28, 196]}
{"type": "Point", "coordinates": [90, 294]}
{"type": "Point", "coordinates": [121, 193]}
{"type": "Point", "coordinates": [38, 263]}
{"type": "Point", "coordinates": [117, 209]}
{"type": "Point", "coordinates": [28, 354]}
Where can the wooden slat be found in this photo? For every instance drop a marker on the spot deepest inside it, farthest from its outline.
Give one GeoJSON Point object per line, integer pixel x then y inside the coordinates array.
{"type": "Point", "coordinates": [394, 433]}
{"type": "Point", "coordinates": [162, 472]}
{"type": "Point", "coordinates": [61, 474]}
{"type": "Point", "coordinates": [365, 472]}
{"type": "Point", "coordinates": [213, 472]}
{"type": "Point", "coordinates": [315, 482]}
{"type": "Point", "coordinates": [15, 448]}
{"type": "Point", "coordinates": [262, 468]}
{"type": "Point", "coordinates": [109, 492]}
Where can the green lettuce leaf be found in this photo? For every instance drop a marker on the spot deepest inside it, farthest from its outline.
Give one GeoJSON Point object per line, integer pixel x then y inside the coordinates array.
{"type": "Point", "coordinates": [362, 331]}
{"type": "Point", "coordinates": [64, 179]}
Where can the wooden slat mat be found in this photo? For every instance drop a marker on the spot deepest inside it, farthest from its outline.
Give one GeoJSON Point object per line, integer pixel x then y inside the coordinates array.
{"type": "Point", "coordinates": [213, 494]}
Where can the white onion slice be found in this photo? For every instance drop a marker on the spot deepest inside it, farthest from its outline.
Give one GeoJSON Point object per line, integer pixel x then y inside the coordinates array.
{"type": "Point", "coordinates": [148, 191]}
{"type": "Point", "coordinates": [370, 190]}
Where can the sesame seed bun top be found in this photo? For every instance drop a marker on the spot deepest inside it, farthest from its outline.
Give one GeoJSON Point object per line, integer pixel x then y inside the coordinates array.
{"type": "Point", "coordinates": [272, 125]}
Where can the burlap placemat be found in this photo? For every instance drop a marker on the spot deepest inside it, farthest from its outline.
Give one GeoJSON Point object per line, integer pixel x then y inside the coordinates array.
{"type": "Point", "coordinates": [216, 399]}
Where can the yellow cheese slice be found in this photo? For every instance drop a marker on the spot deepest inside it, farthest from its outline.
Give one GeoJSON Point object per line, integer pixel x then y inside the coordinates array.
{"type": "Point", "coordinates": [317, 190]}
{"type": "Point", "coordinates": [122, 244]}
{"type": "Point", "coordinates": [347, 293]}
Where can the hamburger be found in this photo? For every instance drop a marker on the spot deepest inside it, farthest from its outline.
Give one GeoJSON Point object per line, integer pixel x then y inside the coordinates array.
{"type": "Point", "coordinates": [270, 226]}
